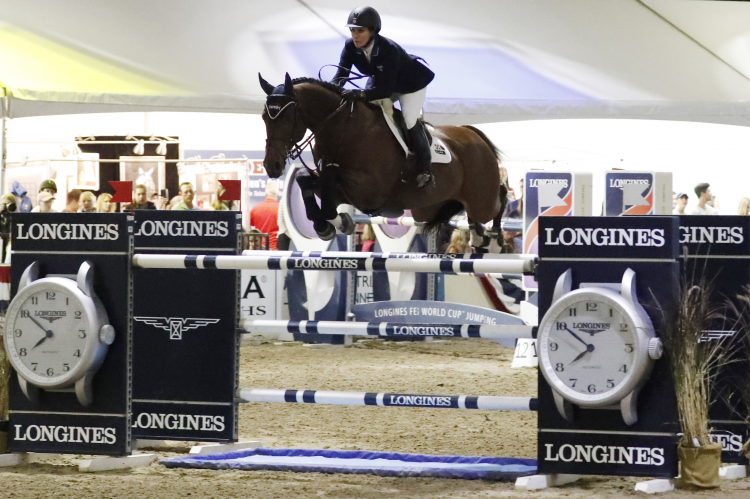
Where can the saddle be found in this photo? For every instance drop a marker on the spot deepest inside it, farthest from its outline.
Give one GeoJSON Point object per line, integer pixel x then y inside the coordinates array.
{"type": "Point", "coordinates": [395, 120]}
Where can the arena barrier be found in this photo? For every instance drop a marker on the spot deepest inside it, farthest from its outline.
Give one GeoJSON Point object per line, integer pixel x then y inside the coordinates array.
{"type": "Point", "coordinates": [389, 329]}
{"type": "Point", "coordinates": [221, 262]}
{"type": "Point", "coordinates": [508, 224]}
{"type": "Point", "coordinates": [484, 403]}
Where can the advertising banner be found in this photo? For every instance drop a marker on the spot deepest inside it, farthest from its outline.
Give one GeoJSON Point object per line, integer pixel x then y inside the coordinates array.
{"type": "Point", "coordinates": [637, 193]}
{"type": "Point", "coordinates": [562, 194]}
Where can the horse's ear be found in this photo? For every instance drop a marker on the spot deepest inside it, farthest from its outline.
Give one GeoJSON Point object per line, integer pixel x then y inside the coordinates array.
{"type": "Point", "coordinates": [267, 87]}
{"type": "Point", "coordinates": [288, 85]}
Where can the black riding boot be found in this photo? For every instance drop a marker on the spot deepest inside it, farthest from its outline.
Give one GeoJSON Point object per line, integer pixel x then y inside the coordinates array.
{"type": "Point", "coordinates": [422, 153]}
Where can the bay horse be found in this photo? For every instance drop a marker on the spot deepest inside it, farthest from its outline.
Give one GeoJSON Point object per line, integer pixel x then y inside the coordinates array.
{"type": "Point", "coordinates": [361, 163]}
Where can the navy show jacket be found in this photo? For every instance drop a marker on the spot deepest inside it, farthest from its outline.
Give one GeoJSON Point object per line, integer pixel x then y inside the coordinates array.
{"type": "Point", "coordinates": [391, 69]}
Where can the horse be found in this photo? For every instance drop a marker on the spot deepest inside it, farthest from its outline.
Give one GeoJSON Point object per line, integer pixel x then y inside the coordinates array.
{"type": "Point", "coordinates": [360, 162]}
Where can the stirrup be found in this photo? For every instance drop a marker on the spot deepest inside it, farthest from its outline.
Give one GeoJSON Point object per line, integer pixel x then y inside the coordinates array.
{"type": "Point", "coordinates": [424, 178]}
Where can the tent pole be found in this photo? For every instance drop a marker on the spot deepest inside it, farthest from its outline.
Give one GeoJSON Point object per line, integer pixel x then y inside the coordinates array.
{"type": "Point", "coordinates": [3, 141]}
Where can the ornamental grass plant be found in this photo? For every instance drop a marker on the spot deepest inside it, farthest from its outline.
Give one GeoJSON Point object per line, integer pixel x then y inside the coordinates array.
{"type": "Point", "coordinates": [696, 358]}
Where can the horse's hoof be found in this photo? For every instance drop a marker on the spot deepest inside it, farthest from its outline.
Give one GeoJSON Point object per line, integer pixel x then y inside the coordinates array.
{"type": "Point", "coordinates": [327, 233]}
{"type": "Point", "coordinates": [347, 224]}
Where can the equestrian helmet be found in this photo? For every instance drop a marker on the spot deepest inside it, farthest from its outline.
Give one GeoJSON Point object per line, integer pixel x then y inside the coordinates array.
{"type": "Point", "coordinates": [364, 17]}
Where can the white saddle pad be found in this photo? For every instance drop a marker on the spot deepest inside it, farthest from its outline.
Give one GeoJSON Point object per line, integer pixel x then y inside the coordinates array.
{"type": "Point", "coordinates": [440, 152]}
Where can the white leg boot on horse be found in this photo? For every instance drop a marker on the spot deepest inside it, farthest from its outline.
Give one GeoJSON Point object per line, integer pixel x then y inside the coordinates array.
{"type": "Point", "coordinates": [479, 241]}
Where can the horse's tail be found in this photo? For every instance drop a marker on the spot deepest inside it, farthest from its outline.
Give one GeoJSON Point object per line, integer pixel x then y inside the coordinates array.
{"type": "Point", "coordinates": [449, 210]}
{"type": "Point", "coordinates": [497, 152]}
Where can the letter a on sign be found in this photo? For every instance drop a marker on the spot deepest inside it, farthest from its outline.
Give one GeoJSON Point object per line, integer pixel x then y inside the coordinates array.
{"type": "Point", "coordinates": [253, 287]}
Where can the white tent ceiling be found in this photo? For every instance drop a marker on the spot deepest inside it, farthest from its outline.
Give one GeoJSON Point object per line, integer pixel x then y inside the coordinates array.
{"type": "Point", "coordinates": [495, 60]}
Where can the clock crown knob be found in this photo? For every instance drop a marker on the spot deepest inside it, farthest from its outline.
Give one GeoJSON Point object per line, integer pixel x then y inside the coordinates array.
{"type": "Point", "coordinates": [655, 348]}
{"type": "Point", "coordinates": [107, 334]}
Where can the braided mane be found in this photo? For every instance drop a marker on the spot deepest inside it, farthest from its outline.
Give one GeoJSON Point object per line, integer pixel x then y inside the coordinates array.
{"type": "Point", "coordinates": [325, 84]}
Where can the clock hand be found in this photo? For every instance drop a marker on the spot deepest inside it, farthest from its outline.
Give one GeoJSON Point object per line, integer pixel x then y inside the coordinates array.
{"type": "Point", "coordinates": [589, 348]}
{"type": "Point", "coordinates": [47, 336]}
{"type": "Point", "coordinates": [37, 323]}
{"type": "Point", "coordinates": [577, 337]}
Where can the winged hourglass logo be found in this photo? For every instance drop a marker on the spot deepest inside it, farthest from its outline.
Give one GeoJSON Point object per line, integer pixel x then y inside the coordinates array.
{"type": "Point", "coordinates": [175, 325]}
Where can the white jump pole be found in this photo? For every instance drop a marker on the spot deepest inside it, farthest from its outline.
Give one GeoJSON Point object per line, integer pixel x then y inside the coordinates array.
{"type": "Point", "coordinates": [413, 256]}
{"type": "Point", "coordinates": [485, 403]}
{"type": "Point", "coordinates": [389, 329]}
{"type": "Point", "coordinates": [224, 262]}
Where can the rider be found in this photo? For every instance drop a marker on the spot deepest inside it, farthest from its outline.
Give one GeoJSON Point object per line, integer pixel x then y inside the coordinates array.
{"type": "Point", "coordinates": [393, 74]}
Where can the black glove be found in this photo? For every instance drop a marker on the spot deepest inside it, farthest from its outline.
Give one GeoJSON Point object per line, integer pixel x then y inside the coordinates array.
{"type": "Point", "coordinates": [350, 95]}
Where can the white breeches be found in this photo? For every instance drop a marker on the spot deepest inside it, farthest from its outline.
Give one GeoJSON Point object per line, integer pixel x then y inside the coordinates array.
{"type": "Point", "coordinates": [411, 105]}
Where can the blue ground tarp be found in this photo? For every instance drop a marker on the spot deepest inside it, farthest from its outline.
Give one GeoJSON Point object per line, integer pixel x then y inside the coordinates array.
{"type": "Point", "coordinates": [362, 462]}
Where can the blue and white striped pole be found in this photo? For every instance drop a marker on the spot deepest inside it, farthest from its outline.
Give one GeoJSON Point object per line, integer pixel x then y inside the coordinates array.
{"type": "Point", "coordinates": [231, 262]}
{"type": "Point", "coordinates": [390, 329]}
{"type": "Point", "coordinates": [408, 256]}
{"type": "Point", "coordinates": [485, 403]}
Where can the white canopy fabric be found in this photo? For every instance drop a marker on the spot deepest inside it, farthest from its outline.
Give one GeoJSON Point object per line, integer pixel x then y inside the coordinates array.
{"type": "Point", "coordinates": [495, 60]}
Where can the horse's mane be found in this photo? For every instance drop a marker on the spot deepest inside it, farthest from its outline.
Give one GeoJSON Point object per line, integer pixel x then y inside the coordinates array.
{"type": "Point", "coordinates": [325, 84]}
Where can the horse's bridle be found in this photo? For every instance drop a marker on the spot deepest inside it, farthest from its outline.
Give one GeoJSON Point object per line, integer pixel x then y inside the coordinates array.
{"type": "Point", "coordinates": [297, 148]}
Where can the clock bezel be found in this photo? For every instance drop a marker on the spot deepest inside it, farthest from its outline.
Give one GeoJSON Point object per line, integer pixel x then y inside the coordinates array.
{"type": "Point", "coordinates": [643, 331]}
{"type": "Point", "coordinates": [89, 354]}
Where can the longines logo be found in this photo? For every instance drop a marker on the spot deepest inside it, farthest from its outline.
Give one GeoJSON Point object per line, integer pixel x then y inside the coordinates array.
{"type": "Point", "coordinates": [73, 434]}
{"type": "Point", "coordinates": [620, 182]}
{"type": "Point", "coordinates": [156, 421]}
{"type": "Point", "coordinates": [50, 315]}
{"type": "Point", "coordinates": [536, 182]}
{"type": "Point", "coordinates": [316, 263]}
{"type": "Point", "coordinates": [68, 231]}
{"type": "Point", "coordinates": [591, 328]}
{"type": "Point", "coordinates": [605, 454]}
{"type": "Point", "coordinates": [605, 237]}
{"type": "Point", "coordinates": [719, 235]}
{"type": "Point", "coordinates": [730, 442]}
{"type": "Point", "coordinates": [175, 325]}
{"type": "Point", "coordinates": [184, 228]}
{"type": "Point", "coordinates": [418, 400]}
{"type": "Point", "coordinates": [423, 331]}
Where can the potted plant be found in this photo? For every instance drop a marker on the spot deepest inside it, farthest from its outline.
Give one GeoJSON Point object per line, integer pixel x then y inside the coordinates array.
{"type": "Point", "coordinates": [695, 360]}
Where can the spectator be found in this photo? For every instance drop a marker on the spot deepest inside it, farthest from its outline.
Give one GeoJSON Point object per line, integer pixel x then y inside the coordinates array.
{"type": "Point", "coordinates": [104, 205]}
{"type": "Point", "coordinates": [681, 201]}
{"type": "Point", "coordinates": [45, 203]}
{"type": "Point", "coordinates": [187, 193]}
{"type": "Point", "coordinates": [264, 215]}
{"type": "Point", "coordinates": [504, 177]}
{"type": "Point", "coordinates": [282, 237]}
{"type": "Point", "coordinates": [72, 201]}
{"type": "Point", "coordinates": [49, 186]}
{"type": "Point", "coordinates": [703, 192]}
{"type": "Point", "coordinates": [459, 241]}
{"type": "Point", "coordinates": [514, 209]}
{"type": "Point", "coordinates": [140, 199]}
{"type": "Point", "coordinates": [87, 202]}
{"type": "Point", "coordinates": [744, 208]}
{"type": "Point", "coordinates": [368, 238]}
{"type": "Point", "coordinates": [23, 202]}
{"type": "Point", "coordinates": [8, 205]}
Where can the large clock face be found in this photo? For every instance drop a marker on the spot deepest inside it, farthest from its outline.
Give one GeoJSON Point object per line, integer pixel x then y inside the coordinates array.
{"type": "Point", "coordinates": [589, 348]}
{"type": "Point", "coordinates": [49, 334]}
